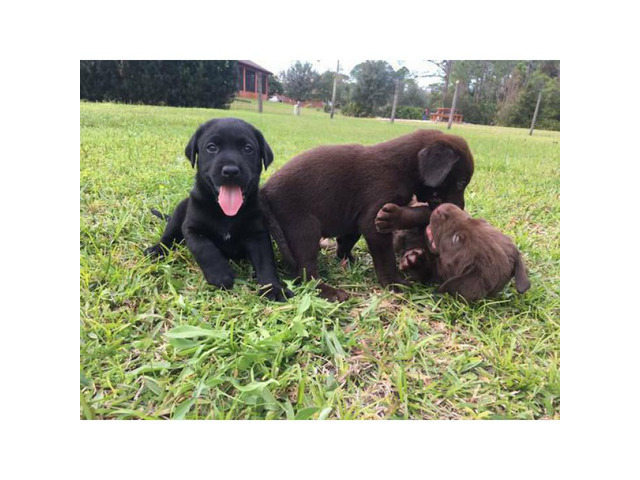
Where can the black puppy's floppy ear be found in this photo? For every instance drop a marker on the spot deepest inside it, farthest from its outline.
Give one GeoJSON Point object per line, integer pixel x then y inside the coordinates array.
{"type": "Point", "coordinates": [191, 150]}
{"type": "Point", "coordinates": [434, 164]}
{"type": "Point", "coordinates": [266, 154]}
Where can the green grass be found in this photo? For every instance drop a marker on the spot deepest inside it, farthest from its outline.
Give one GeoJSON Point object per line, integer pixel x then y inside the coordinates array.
{"type": "Point", "coordinates": [158, 342]}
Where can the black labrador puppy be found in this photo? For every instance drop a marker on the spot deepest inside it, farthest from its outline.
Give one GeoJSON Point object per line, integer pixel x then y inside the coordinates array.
{"type": "Point", "coordinates": [221, 218]}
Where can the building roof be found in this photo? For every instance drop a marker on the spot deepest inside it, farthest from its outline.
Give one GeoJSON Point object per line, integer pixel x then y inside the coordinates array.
{"type": "Point", "coordinates": [249, 63]}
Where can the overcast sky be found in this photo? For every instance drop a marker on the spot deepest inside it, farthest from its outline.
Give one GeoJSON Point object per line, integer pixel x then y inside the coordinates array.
{"type": "Point", "coordinates": [416, 67]}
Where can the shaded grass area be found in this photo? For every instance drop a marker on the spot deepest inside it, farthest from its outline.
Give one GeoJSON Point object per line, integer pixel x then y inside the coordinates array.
{"type": "Point", "coordinates": [158, 342]}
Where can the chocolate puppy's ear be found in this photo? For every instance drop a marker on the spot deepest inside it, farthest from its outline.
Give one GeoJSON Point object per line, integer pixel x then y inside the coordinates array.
{"type": "Point", "coordinates": [520, 273]}
{"type": "Point", "coordinates": [266, 154]}
{"type": "Point", "coordinates": [458, 239]}
{"type": "Point", "coordinates": [434, 164]}
{"type": "Point", "coordinates": [467, 284]}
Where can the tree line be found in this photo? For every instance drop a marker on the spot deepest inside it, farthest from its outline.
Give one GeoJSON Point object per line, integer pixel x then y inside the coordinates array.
{"type": "Point", "coordinates": [490, 92]}
{"type": "Point", "coordinates": [180, 83]}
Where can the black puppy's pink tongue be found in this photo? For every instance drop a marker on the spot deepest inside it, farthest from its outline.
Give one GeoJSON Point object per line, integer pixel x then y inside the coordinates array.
{"type": "Point", "coordinates": [230, 199]}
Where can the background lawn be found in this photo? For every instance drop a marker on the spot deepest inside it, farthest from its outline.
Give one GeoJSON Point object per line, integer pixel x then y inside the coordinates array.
{"type": "Point", "coordinates": [158, 342]}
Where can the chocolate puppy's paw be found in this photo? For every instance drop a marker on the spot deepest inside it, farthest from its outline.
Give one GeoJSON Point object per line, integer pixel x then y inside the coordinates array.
{"type": "Point", "coordinates": [389, 218]}
{"type": "Point", "coordinates": [326, 243]}
{"type": "Point", "coordinates": [346, 260]}
{"type": "Point", "coordinates": [396, 285]}
{"type": "Point", "coordinates": [332, 294]}
{"type": "Point", "coordinates": [413, 258]}
{"type": "Point", "coordinates": [345, 256]}
{"type": "Point", "coordinates": [276, 292]}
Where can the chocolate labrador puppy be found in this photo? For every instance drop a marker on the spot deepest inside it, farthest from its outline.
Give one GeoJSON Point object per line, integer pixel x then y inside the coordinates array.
{"type": "Point", "coordinates": [221, 218]}
{"type": "Point", "coordinates": [466, 255]}
{"type": "Point", "coordinates": [336, 191]}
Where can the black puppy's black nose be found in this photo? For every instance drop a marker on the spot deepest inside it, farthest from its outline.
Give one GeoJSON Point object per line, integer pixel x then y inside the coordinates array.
{"type": "Point", "coordinates": [230, 171]}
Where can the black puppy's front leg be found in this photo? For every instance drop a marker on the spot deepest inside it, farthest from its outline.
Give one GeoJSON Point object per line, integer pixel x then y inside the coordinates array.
{"type": "Point", "coordinates": [214, 265]}
{"type": "Point", "coordinates": [260, 251]}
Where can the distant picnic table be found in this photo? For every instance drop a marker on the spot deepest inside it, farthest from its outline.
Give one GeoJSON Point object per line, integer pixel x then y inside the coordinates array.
{"type": "Point", "coordinates": [443, 114]}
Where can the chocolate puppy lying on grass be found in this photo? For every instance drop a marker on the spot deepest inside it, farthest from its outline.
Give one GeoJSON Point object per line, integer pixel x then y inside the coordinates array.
{"type": "Point", "coordinates": [466, 255]}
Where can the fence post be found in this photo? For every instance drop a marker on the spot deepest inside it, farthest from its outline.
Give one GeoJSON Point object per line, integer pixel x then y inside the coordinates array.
{"type": "Point", "coordinates": [453, 105]}
{"type": "Point", "coordinates": [259, 92]}
{"type": "Point", "coordinates": [535, 113]}
{"type": "Point", "coordinates": [335, 87]}
{"type": "Point", "coordinates": [395, 100]}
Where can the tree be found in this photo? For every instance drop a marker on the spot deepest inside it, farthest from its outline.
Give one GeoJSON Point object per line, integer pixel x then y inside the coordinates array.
{"type": "Point", "coordinates": [520, 113]}
{"type": "Point", "coordinates": [324, 86]}
{"type": "Point", "coordinates": [508, 95]}
{"type": "Point", "coordinates": [374, 84]}
{"type": "Point", "coordinates": [413, 95]}
{"type": "Point", "coordinates": [480, 82]}
{"type": "Point", "coordinates": [275, 85]}
{"type": "Point", "coordinates": [444, 71]}
{"type": "Point", "coordinates": [299, 81]}
{"type": "Point", "coordinates": [501, 91]}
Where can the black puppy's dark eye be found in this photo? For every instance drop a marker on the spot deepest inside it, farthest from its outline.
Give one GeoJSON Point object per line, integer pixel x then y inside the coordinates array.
{"type": "Point", "coordinates": [461, 184]}
{"type": "Point", "coordinates": [248, 149]}
{"type": "Point", "coordinates": [212, 148]}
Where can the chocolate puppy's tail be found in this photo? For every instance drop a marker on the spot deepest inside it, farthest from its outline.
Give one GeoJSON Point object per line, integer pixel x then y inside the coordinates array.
{"type": "Point", "coordinates": [160, 215]}
{"type": "Point", "coordinates": [520, 273]}
{"type": "Point", "coordinates": [276, 232]}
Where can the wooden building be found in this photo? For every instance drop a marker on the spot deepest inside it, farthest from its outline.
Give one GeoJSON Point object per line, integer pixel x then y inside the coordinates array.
{"type": "Point", "coordinates": [248, 79]}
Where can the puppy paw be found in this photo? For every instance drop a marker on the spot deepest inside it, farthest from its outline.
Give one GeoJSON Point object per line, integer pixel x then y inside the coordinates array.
{"type": "Point", "coordinates": [346, 261]}
{"type": "Point", "coordinates": [155, 252]}
{"type": "Point", "coordinates": [388, 218]}
{"type": "Point", "coordinates": [326, 243]}
{"type": "Point", "coordinates": [332, 294]}
{"type": "Point", "coordinates": [412, 259]}
{"type": "Point", "coordinates": [345, 257]}
{"type": "Point", "coordinates": [396, 284]}
{"type": "Point", "coordinates": [276, 292]}
{"type": "Point", "coordinates": [223, 280]}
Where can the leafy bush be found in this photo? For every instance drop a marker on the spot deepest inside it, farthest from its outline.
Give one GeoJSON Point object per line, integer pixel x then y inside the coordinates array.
{"type": "Point", "coordinates": [404, 111]}
{"type": "Point", "coordinates": [179, 83]}
{"type": "Point", "coordinates": [353, 109]}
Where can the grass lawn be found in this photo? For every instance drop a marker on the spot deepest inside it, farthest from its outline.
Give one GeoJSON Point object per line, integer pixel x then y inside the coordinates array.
{"type": "Point", "coordinates": [158, 342]}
